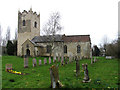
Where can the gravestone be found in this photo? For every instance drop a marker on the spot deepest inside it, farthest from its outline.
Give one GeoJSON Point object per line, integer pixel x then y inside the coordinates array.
{"type": "Point", "coordinates": [94, 60]}
{"type": "Point", "coordinates": [34, 62]}
{"type": "Point", "coordinates": [91, 56]}
{"type": "Point", "coordinates": [25, 61]}
{"type": "Point", "coordinates": [58, 58]}
{"type": "Point", "coordinates": [45, 61]}
{"type": "Point", "coordinates": [66, 60]}
{"type": "Point", "coordinates": [86, 75]}
{"type": "Point", "coordinates": [40, 62]}
{"type": "Point", "coordinates": [49, 60]}
{"type": "Point", "coordinates": [77, 66]}
{"type": "Point", "coordinates": [62, 60]}
{"type": "Point", "coordinates": [70, 58]}
{"type": "Point", "coordinates": [8, 67]}
{"type": "Point", "coordinates": [54, 75]}
{"type": "Point", "coordinates": [54, 59]}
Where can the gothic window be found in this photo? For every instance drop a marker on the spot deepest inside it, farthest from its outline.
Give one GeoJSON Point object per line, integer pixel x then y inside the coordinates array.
{"type": "Point", "coordinates": [78, 49]}
{"type": "Point", "coordinates": [23, 22]}
{"type": "Point", "coordinates": [65, 49]}
{"type": "Point", "coordinates": [48, 48]}
{"type": "Point", "coordinates": [35, 24]}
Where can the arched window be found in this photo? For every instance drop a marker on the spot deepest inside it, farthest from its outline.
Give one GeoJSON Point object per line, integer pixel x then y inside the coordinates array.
{"type": "Point", "coordinates": [23, 22]}
{"type": "Point", "coordinates": [65, 49]}
{"type": "Point", "coordinates": [27, 46]}
{"type": "Point", "coordinates": [78, 49]}
{"type": "Point", "coordinates": [48, 48]}
{"type": "Point", "coordinates": [35, 24]}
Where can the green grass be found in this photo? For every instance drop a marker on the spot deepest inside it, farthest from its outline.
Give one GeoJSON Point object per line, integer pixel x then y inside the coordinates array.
{"type": "Point", "coordinates": [105, 71]}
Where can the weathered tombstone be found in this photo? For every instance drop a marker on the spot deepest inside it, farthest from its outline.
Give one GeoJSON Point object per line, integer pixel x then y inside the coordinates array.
{"type": "Point", "coordinates": [58, 58]}
{"type": "Point", "coordinates": [34, 62]}
{"type": "Point", "coordinates": [70, 58]}
{"type": "Point", "coordinates": [54, 59]}
{"type": "Point", "coordinates": [91, 56]}
{"type": "Point", "coordinates": [45, 61]}
{"type": "Point", "coordinates": [77, 66]}
{"type": "Point", "coordinates": [25, 61]}
{"type": "Point", "coordinates": [40, 62]}
{"type": "Point", "coordinates": [8, 67]}
{"type": "Point", "coordinates": [66, 60]}
{"type": "Point", "coordinates": [94, 60]}
{"type": "Point", "coordinates": [86, 75]}
{"type": "Point", "coordinates": [54, 75]}
{"type": "Point", "coordinates": [62, 60]}
{"type": "Point", "coordinates": [49, 60]}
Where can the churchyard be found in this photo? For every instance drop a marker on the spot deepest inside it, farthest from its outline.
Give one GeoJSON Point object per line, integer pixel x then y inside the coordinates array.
{"type": "Point", "coordinates": [103, 73]}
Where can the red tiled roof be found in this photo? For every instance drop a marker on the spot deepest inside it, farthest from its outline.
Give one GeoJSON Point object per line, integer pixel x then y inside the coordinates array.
{"type": "Point", "coordinates": [76, 38]}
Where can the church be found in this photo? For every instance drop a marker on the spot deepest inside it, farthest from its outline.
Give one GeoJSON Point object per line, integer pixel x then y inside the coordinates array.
{"type": "Point", "coordinates": [32, 44]}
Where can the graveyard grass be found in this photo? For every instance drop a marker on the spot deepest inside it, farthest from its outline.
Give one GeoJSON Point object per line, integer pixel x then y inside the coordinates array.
{"type": "Point", "coordinates": [103, 74]}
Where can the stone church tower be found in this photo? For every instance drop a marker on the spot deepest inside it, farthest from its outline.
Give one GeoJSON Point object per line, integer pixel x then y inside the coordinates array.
{"type": "Point", "coordinates": [28, 28]}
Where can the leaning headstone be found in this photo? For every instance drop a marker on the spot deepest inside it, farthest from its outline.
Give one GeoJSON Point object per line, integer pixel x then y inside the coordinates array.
{"type": "Point", "coordinates": [55, 83]}
{"type": "Point", "coordinates": [77, 66]}
{"type": "Point", "coordinates": [86, 75]}
{"type": "Point", "coordinates": [25, 62]}
{"type": "Point", "coordinates": [34, 62]}
{"type": "Point", "coordinates": [45, 61]}
{"type": "Point", "coordinates": [40, 62]}
{"type": "Point", "coordinates": [49, 60]}
{"type": "Point", "coordinates": [8, 67]}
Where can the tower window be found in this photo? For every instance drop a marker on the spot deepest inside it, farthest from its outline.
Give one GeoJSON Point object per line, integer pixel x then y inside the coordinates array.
{"type": "Point", "coordinates": [78, 49]}
{"type": "Point", "coordinates": [35, 24]}
{"type": "Point", "coordinates": [23, 22]}
{"type": "Point", "coordinates": [65, 49]}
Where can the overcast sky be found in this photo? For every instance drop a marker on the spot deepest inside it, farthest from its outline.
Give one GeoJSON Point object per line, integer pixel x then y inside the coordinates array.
{"type": "Point", "coordinates": [98, 18]}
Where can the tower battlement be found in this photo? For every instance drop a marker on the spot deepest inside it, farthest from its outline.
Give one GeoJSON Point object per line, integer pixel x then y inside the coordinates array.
{"type": "Point", "coordinates": [29, 12]}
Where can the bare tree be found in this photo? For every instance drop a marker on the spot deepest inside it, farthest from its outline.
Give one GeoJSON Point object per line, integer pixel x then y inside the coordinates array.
{"type": "Point", "coordinates": [105, 42]}
{"type": "Point", "coordinates": [51, 28]}
{"type": "Point", "coordinates": [8, 34]}
{"type": "Point", "coordinates": [16, 34]}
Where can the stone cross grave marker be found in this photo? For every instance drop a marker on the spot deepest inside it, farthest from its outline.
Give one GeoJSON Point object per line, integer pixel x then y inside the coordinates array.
{"type": "Point", "coordinates": [54, 75]}
{"type": "Point", "coordinates": [49, 60]}
{"type": "Point", "coordinates": [45, 61]}
{"type": "Point", "coordinates": [86, 75]}
{"type": "Point", "coordinates": [40, 62]}
{"type": "Point", "coordinates": [8, 67]}
{"type": "Point", "coordinates": [25, 62]}
{"type": "Point", "coordinates": [34, 62]}
{"type": "Point", "coordinates": [77, 66]}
